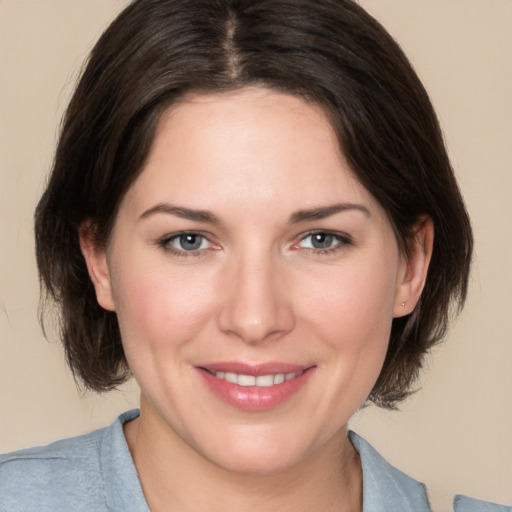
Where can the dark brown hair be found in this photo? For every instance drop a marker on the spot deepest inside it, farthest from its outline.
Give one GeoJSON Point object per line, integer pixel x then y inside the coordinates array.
{"type": "Point", "coordinates": [329, 52]}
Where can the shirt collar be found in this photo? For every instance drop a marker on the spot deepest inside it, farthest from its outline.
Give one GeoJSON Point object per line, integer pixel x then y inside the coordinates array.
{"type": "Point", "coordinates": [386, 488]}
{"type": "Point", "coordinates": [118, 469]}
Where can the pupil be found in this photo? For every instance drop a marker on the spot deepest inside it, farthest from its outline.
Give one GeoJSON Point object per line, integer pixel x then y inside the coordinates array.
{"type": "Point", "coordinates": [190, 242]}
{"type": "Point", "coordinates": [322, 241]}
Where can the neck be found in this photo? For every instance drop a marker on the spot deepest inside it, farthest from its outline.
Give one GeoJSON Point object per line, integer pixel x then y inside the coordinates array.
{"type": "Point", "coordinates": [175, 477]}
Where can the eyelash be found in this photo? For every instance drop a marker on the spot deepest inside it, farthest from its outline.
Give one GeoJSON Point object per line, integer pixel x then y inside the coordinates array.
{"type": "Point", "coordinates": [342, 241]}
{"type": "Point", "coordinates": [165, 243]}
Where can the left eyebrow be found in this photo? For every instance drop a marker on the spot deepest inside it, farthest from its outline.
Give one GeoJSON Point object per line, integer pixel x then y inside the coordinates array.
{"type": "Point", "coordinates": [326, 211]}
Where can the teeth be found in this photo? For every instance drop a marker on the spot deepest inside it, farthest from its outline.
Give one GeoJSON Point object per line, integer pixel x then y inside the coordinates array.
{"type": "Point", "coordinates": [246, 380]}
{"type": "Point", "coordinates": [280, 377]}
{"type": "Point", "coordinates": [264, 381]}
{"type": "Point", "coordinates": [231, 377]}
{"type": "Point", "coordinates": [251, 380]}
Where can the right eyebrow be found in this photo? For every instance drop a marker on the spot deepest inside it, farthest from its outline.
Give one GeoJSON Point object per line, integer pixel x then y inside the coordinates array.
{"type": "Point", "coordinates": [184, 213]}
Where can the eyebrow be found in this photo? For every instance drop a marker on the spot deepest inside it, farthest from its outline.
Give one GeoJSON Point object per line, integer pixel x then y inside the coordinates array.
{"type": "Point", "coordinates": [208, 217]}
{"type": "Point", "coordinates": [327, 211]}
{"type": "Point", "coordinates": [184, 213]}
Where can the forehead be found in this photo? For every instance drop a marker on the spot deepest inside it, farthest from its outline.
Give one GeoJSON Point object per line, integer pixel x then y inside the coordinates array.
{"type": "Point", "coordinates": [253, 146]}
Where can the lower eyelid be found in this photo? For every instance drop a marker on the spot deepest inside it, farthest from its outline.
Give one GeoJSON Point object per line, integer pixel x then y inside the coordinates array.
{"type": "Point", "coordinates": [167, 244]}
{"type": "Point", "coordinates": [340, 239]}
{"type": "Point", "coordinates": [168, 239]}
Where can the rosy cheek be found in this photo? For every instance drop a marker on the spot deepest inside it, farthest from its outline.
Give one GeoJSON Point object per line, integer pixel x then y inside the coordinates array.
{"type": "Point", "coordinates": [137, 299]}
{"type": "Point", "coordinates": [164, 308]}
{"type": "Point", "coordinates": [351, 309]}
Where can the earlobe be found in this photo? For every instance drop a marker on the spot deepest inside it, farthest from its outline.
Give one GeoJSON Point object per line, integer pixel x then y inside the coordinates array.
{"type": "Point", "coordinates": [97, 266]}
{"type": "Point", "coordinates": [414, 267]}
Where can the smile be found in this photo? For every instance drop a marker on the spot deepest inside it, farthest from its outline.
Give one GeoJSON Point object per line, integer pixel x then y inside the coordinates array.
{"type": "Point", "coordinates": [251, 380]}
{"type": "Point", "coordinates": [255, 387]}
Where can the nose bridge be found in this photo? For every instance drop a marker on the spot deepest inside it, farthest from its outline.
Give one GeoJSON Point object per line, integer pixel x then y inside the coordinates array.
{"type": "Point", "coordinates": [256, 307]}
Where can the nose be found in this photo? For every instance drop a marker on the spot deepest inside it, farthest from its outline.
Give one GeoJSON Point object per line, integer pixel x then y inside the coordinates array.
{"type": "Point", "coordinates": [256, 306]}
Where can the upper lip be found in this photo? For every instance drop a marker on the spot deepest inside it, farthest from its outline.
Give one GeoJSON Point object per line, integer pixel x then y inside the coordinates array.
{"type": "Point", "coordinates": [267, 368]}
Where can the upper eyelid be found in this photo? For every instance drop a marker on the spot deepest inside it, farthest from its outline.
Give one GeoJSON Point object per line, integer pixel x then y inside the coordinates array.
{"type": "Point", "coordinates": [342, 240]}
{"type": "Point", "coordinates": [167, 244]}
{"type": "Point", "coordinates": [339, 234]}
{"type": "Point", "coordinates": [172, 236]}
{"type": "Point", "coordinates": [166, 240]}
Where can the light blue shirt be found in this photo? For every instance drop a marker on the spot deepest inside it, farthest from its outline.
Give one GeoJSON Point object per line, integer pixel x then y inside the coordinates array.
{"type": "Point", "coordinates": [95, 473]}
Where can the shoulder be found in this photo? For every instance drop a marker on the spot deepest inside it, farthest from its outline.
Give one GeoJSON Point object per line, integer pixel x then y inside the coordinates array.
{"type": "Point", "coordinates": [466, 504]}
{"type": "Point", "coordinates": [387, 488]}
{"type": "Point", "coordinates": [62, 476]}
{"type": "Point", "coordinates": [48, 477]}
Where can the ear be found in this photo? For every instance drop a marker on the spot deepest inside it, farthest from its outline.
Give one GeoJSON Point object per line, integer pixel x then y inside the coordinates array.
{"type": "Point", "coordinates": [414, 267]}
{"type": "Point", "coordinates": [97, 265]}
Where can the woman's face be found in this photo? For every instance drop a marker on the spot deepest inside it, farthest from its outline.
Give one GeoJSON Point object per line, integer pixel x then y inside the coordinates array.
{"type": "Point", "coordinates": [254, 278]}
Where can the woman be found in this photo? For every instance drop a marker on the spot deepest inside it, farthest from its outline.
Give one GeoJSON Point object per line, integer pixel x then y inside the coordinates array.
{"type": "Point", "coordinates": [251, 211]}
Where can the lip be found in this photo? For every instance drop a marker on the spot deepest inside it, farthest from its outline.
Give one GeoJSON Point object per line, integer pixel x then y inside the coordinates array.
{"type": "Point", "coordinates": [254, 369]}
{"type": "Point", "coordinates": [254, 398]}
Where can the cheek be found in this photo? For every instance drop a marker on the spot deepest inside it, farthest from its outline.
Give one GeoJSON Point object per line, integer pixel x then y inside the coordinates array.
{"type": "Point", "coordinates": [351, 312]}
{"type": "Point", "coordinates": [157, 309]}
{"type": "Point", "coordinates": [357, 301]}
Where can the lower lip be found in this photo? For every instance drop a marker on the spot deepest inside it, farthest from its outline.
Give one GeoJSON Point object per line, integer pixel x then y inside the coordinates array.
{"type": "Point", "coordinates": [255, 398]}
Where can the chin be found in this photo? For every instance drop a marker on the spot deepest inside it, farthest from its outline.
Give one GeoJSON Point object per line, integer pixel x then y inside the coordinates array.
{"type": "Point", "coordinates": [259, 452]}
{"type": "Point", "coordinates": [255, 462]}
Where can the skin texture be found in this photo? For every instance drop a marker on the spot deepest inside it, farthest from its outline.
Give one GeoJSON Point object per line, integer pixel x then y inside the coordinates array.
{"type": "Point", "coordinates": [256, 290]}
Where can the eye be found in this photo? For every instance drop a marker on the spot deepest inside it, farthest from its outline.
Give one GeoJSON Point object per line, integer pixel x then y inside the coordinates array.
{"type": "Point", "coordinates": [323, 241]}
{"type": "Point", "coordinates": [186, 242]}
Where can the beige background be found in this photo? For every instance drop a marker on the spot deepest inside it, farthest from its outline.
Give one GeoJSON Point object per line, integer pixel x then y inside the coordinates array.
{"type": "Point", "coordinates": [454, 434]}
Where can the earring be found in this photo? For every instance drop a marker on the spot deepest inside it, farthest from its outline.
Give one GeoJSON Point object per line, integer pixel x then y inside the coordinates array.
{"type": "Point", "coordinates": [402, 304]}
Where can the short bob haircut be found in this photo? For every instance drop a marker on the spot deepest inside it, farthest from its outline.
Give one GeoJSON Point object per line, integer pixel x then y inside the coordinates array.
{"type": "Point", "coordinates": [330, 53]}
